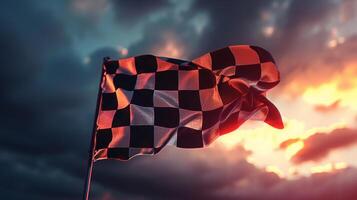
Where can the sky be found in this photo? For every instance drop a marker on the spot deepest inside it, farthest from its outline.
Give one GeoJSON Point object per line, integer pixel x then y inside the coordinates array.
{"type": "Point", "coordinates": [51, 61]}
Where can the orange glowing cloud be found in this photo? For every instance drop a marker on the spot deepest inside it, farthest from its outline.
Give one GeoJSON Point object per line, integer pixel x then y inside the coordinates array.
{"type": "Point", "coordinates": [274, 169]}
{"type": "Point", "coordinates": [340, 89]}
{"type": "Point", "coordinates": [324, 109]}
{"type": "Point", "coordinates": [170, 47]}
{"type": "Point", "coordinates": [288, 142]}
{"type": "Point", "coordinates": [319, 145]}
{"type": "Point", "coordinates": [325, 75]}
{"type": "Point", "coordinates": [329, 167]}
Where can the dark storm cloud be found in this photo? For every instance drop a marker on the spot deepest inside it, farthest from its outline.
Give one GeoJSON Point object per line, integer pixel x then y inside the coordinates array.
{"type": "Point", "coordinates": [302, 15]}
{"type": "Point", "coordinates": [158, 34]}
{"type": "Point", "coordinates": [228, 22]}
{"type": "Point", "coordinates": [172, 26]}
{"type": "Point", "coordinates": [319, 145]}
{"type": "Point", "coordinates": [303, 23]}
{"type": "Point", "coordinates": [329, 186]}
{"type": "Point", "coordinates": [132, 12]}
{"type": "Point", "coordinates": [301, 40]}
{"type": "Point", "coordinates": [190, 175]}
{"type": "Point", "coordinates": [47, 102]}
{"type": "Point", "coordinates": [231, 22]}
{"type": "Point", "coordinates": [35, 180]}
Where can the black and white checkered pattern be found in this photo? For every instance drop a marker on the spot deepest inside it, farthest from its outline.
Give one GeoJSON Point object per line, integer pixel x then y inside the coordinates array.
{"type": "Point", "coordinates": [148, 101]}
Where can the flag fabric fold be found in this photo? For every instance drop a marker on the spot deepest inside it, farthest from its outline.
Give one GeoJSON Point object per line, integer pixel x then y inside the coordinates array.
{"type": "Point", "coordinates": [148, 102]}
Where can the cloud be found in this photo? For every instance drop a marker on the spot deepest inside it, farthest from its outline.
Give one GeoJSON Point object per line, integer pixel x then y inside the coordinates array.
{"type": "Point", "coordinates": [40, 105]}
{"type": "Point", "coordinates": [131, 13]}
{"type": "Point", "coordinates": [188, 174]}
{"type": "Point", "coordinates": [174, 39]}
{"type": "Point", "coordinates": [288, 142]}
{"type": "Point", "coordinates": [319, 145]}
{"type": "Point", "coordinates": [214, 173]}
{"type": "Point", "coordinates": [48, 104]}
{"type": "Point", "coordinates": [298, 18]}
{"type": "Point", "coordinates": [230, 22]}
{"type": "Point", "coordinates": [302, 57]}
{"type": "Point", "coordinates": [335, 185]}
{"type": "Point", "coordinates": [325, 109]}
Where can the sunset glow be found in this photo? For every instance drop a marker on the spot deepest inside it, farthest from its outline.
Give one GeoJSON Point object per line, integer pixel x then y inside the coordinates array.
{"type": "Point", "coordinates": [275, 170]}
{"type": "Point", "coordinates": [170, 47]}
{"type": "Point", "coordinates": [341, 87]}
{"type": "Point", "coordinates": [292, 149]}
{"type": "Point", "coordinates": [329, 167]}
{"type": "Point", "coordinates": [268, 31]}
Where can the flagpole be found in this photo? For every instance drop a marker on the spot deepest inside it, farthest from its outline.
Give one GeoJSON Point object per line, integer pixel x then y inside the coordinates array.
{"type": "Point", "coordinates": [88, 178]}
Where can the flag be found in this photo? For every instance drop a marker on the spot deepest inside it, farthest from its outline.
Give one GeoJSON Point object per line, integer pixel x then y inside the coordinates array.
{"type": "Point", "coordinates": [147, 102]}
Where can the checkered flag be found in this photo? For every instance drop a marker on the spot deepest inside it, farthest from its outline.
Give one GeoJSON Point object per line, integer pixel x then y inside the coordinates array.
{"type": "Point", "coordinates": [148, 102]}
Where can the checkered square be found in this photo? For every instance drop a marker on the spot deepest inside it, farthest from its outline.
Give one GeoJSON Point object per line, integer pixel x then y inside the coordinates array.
{"type": "Point", "coordinates": [145, 64]}
{"type": "Point", "coordinates": [103, 138]}
{"type": "Point", "coordinates": [162, 135]}
{"type": "Point", "coordinates": [120, 137]}
{"type": "Point", "coordinates": [148, 102]}
{"type": "Point", "coordinates": [166, 80]}
{"type": "Point", "coordinates": [124, 81]}
{"type": "Point", "coordinates": [249, 72]}
{"type": "Point", "coordinates": [189, 138]}
{"type": "Point", "coordinates": [210, 118]}
{"type": "Point", "coordinates": [166, 117]}
{"type": "Point", "coordinates": [142, 136]}
{"type": "Point", "coordinates": [206, 79]}
{"type": "Point", "coordinates": [140, 115]}
{"type": "Point", "coordinates": [191, 119]}
{"type": "Point", "coordinates": [213, 94]}
{"type": "Point", "coordinates": [227, 93]}
{"type": "Point", "coordinates": [147, 81]}
{"type": "Point", "coordinates": [166, 98]}
{"type": "Point", "coordinates": [143, 97]}
{"type": "Point", "coordinates": [222, 58]}
{"type": "Point", "coordinates": [245, 55]}
{"type": "Point", "coordinates": [109, 101]}
{"type": "Point", "coordinates": [111, 66]}
{"type": "Point", "coordinates": [204, 61]}
{"type": "Point", "coordinates": [127, 66]}
{"type": "Point", "coordinates": [188, 80]}
{"type": "Point", "coordinates": [165, 64]}
{"type": "Point", "coordinates": [105, 120]}
{"type": "Point", "coordinates": [118, 153]}
{"type": "Point", "coordinates": [189, 99]}
{"type": "Point", "coordinates": [121, 117]}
